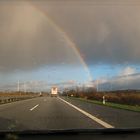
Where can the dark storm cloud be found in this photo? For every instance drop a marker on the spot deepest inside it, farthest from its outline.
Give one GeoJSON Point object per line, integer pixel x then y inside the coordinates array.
{"type": "Point", "coordinates": [105, 33]}
{"type": "Point", "coordinates": [28, 41]}
{"type": "Point", "coordinates": [131, 81]}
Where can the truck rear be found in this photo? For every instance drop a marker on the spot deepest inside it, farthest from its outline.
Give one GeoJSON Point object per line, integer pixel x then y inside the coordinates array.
{"type": "Point", "coordinates": [54, 92]}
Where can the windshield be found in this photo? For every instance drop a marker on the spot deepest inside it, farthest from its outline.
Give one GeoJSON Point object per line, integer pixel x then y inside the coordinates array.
{"type": "Point", "coordinates": [71, 64]}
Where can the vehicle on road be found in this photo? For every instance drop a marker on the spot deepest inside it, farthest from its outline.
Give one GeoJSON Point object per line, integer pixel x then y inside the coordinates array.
{"type": "Point", "coordinates": [54, 92]}
{"type": "Point", "coordinates": [40, 94]}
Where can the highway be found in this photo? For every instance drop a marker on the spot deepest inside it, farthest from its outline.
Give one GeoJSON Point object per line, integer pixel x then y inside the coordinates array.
{"type": "Point", "coordinates": [45, 113]}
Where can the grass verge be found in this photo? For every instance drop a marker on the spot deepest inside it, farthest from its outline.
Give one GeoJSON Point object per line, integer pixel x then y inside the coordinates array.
{"type": "Point", "coordinates": [114, 105]}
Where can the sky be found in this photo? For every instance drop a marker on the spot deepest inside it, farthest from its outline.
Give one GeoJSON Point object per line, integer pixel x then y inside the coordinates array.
{"type": "Point", "coordinates": [80, 41]}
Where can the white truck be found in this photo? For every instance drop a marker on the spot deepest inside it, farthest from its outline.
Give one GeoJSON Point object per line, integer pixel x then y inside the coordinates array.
{"type": "Point", "coordinates": [54, 92]}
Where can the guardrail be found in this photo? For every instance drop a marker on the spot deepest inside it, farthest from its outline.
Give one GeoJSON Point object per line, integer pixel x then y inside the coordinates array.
{"type": "Point", "coordinates": [4, 100]}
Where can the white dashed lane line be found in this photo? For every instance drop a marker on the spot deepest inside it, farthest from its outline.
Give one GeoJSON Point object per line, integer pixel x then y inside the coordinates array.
{"type": "Point", "coordinates": [34, 107]}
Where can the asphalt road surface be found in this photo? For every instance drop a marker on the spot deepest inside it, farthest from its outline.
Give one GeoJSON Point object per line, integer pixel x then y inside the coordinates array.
{"type": "Point", "coordinates": [45, 113]}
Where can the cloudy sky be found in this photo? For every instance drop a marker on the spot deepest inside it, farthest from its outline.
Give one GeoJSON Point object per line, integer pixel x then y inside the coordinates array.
{"type": "Point", "coordinates": [38, 40]}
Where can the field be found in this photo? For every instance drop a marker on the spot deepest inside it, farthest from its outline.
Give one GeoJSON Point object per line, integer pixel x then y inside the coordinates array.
{"type": "Point", "coordinates": [6, 97]}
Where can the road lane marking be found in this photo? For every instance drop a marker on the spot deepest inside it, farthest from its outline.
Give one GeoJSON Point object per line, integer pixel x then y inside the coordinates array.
{"type": "Point", "coordinates": [106, 125]}
{"type": "Point", "coordinates": [34, 107]}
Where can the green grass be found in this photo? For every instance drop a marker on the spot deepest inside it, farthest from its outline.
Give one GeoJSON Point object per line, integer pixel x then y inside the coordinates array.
{"type": "Point", "coordinates": [114, 105]}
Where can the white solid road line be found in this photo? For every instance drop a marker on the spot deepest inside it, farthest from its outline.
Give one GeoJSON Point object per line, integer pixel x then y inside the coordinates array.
{"type": "Point", "coordinates": [34, 107]}
{"type": "Point", "coordinates": [106, 125]}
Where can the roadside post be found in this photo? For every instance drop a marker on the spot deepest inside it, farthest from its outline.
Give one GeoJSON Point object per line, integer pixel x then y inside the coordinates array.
{"type": "Point", "coordinates": [104, 100]}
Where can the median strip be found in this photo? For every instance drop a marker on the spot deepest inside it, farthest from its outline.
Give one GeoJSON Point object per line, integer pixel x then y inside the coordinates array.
{"type": "Point", "coordinates": [106, 125]}
{"type": "Point", "coordinates": [34, 107]}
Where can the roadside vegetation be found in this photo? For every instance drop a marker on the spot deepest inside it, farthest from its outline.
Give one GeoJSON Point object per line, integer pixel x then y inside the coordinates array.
{"type": "Point", "coordinates": [124, 99]}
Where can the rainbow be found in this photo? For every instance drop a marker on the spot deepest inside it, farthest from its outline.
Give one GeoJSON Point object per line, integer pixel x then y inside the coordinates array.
{"type": "Point", "coordinates": [67, 39]}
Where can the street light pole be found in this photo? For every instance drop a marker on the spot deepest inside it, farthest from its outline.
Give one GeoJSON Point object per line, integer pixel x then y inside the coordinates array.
{"type": "Point", "coordinates": [18, 86]}
{"type": "Point", "coordinates": [24, 87]}
{"type": "Point", "coordinates": [97, 86]}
